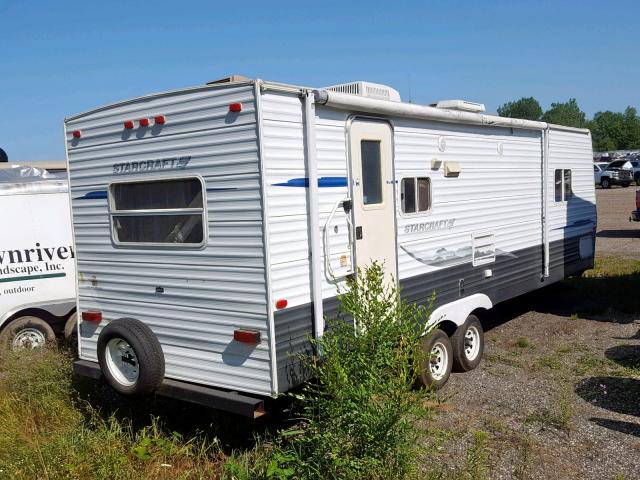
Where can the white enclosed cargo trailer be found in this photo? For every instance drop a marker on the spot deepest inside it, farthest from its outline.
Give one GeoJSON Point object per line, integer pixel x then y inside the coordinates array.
{"type": "Point", "coordinates": [37, 270]}
{"type": "Point", "coordinates": [215, 225]}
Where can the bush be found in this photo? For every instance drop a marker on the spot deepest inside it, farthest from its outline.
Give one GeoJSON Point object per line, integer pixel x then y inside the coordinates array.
{"type": "Point", "coordinates": [359, 414]}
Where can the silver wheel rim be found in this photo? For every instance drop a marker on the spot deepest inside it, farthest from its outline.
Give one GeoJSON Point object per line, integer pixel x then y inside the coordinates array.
{"type": "Point", "coordinates": [438, 361]}
{"type": "Point", "coordinates": [122, 362]}
{"type": "Point", "coordinates": [29, 338]}
{"type": "Point", "coordinates": [471, 343]}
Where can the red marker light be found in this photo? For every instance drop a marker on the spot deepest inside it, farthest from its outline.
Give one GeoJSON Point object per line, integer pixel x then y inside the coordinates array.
{"type": "Point", "coordinates": [246, 336]}
{"type": "Point", "coordinates": [77, 134]}
{"type": "Point", "coordinates": [159, 119]}
{"type": "Point", "coordinates": [92, 316]}
{"type": "Point", "coordinates": [282, 303]}
{"type": "Point", "coordinates": [144, 122]}
{"type": "Point", "coordinates": [128, 124]}
{"type": "Point", "coordinates": [235, 107]}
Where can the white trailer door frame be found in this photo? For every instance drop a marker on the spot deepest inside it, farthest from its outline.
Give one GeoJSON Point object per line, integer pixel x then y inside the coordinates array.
{"type": "Point", "coordinates": [373, 194]}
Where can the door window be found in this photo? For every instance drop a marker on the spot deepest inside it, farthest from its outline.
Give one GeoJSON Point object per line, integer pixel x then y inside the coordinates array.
{"type": "Point", "coordinates": [371, 172]}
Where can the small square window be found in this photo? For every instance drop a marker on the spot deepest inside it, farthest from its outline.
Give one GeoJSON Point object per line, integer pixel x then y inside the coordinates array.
{"type": "Point", "coordinates": [415, 194]}
{"type": "Point", "coordinates": [562, 184]}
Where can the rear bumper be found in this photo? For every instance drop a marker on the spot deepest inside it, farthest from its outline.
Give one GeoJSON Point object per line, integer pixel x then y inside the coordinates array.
{"type": "Point", "coordinates": [218, 399]}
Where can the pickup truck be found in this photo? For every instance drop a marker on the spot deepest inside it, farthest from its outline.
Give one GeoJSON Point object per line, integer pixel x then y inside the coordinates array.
{"type": "Point", "coordinates": [631, 164]}
{"type": "Point", "coordinates": [614, 173]}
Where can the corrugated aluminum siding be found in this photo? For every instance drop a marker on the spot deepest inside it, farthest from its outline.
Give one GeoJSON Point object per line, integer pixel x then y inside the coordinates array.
{"type": "Point", "coordinates": [208, 292]}
{"type": "Point", "coordinates": [284, 169]}
{"type": "Point", "coordinates": [498, 192]}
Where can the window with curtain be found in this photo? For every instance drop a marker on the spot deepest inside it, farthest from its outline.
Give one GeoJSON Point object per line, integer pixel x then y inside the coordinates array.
{"type": "Point", "coordinates": [158, 212]}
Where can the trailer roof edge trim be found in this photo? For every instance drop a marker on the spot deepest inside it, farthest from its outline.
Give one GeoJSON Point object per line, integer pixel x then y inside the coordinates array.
{"type": "Point", "coordinates": [150, 96]}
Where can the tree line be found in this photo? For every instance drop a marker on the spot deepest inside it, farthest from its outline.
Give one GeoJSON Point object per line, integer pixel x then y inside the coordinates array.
{"type": "Point", "coordinates": [609, 130]}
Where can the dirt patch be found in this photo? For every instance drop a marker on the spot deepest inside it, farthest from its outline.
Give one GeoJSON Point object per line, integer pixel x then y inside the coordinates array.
{"type": "Point", "coordinates": [616, 235]}
{"type": "Point", "coordinates": [557, 395]}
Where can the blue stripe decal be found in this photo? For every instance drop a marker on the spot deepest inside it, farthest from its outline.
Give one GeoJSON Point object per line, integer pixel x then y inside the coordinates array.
{"type": "Point", "coordinates": [97, 195]}
{"type": "Point", "coordinates": [102, 194]}
{"type": "Point", "coordinates": [323, 182]}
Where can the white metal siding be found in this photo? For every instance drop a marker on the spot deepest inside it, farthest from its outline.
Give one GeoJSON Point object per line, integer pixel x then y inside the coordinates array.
{"type": "Point", "coordinates": [284, 160]}
{"type": "Point", "coordinates": [495, 193]}
{"type": "Point", "coordinates": [287, 217]}
{"type": "Point", "coordinates": [207, 292]}
{"type": "Point", "coordinates": [571, 150]}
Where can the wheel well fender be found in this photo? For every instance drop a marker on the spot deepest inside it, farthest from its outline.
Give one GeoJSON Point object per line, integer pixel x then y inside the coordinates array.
{"type": "Point", "coordinates": [57, 323]}
{"type": "Point", "coordinates": [455, 313]}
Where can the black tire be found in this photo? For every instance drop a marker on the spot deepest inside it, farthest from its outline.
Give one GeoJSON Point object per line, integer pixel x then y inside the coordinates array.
{"type": "Point", "coordinates": [462, 361]}
{"type": "Point", "coordinates": [626, 184]}
{"type": "Point", "coordinates": [71, 331]}
{"type": "Point", "coordinates": [20, 326]}
{"type": "Point", "coordinates": [147, 358]}
{"type": "Point", "coordinates": [425, 375]}
{"type": "Point", "coordinates": [605, 183]}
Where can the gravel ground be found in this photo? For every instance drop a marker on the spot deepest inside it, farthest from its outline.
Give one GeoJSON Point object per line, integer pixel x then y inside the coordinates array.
{"type": "Point", "coordinates": [616, 234]}
{"type": "Point", "coordinates": [558, 393]}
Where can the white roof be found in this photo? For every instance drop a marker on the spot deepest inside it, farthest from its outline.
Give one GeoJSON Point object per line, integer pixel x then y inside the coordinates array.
{"type": "Point", "coordinates": [19, 180]}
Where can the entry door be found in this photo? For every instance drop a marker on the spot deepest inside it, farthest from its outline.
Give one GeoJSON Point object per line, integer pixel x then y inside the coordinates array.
{"type": "Point", "coordinates": [373, 194]}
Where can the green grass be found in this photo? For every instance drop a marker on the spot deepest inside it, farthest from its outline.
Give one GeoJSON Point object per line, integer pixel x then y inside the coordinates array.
{"type": "Point", "coordinates": [550, 361]}
{"type": "Point", "coordinates": [47, 431]}
{"type": "Point", "coordinates": [522, 342]}
{"type": "Point", "coordinates": [610, 286]}
{"type": "Point", "coordinates": [558, 415]}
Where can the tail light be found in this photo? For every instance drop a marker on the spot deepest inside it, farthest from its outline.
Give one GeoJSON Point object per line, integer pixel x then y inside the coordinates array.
{"type": "Point", "coordinates": [93, 316]}
{"type": "Point", "coordinates": [246, 336]}
{"type": "Point", "coordinates": [77, 134]}
{"type": "Point", "coordinates": [235, 107]}
{"type": "Point", "coordinates": [129, 124]}
{"type": "Point", "coordinates": [144, 122]}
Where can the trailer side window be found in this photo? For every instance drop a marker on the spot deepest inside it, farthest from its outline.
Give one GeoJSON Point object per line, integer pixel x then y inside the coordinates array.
{"type": "Point", "coordinates": [158, 212]}
{"type": "Point", "coordinates": [415, 194]}
{"type": "Point", "coordinates": [562, 181]}
{"type": "Point", "coordinates": [371, 172]}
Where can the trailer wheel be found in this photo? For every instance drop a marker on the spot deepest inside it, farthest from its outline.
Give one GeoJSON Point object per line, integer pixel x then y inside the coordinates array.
{"type": "Point", "coordinates": [26, 332]}
{"type": "Point", "coordinates": [71, 330]}
{"type": "Point", "coordinates": [436, 362]}
{"type": "Point", "coordinates": [605, 183]}
{"type": "Point", "coordinates": [468, 345]}
{"type": "Point", "coordinates": [130, 357]}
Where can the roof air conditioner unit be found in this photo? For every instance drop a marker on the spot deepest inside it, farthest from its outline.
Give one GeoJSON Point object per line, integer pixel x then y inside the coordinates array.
{"type": "Point", "coordinates": [367, 89]}
{"type": "Point", "coordinates": [462, 105]}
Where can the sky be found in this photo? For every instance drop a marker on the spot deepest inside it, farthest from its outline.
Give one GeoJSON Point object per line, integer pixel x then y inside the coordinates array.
{"type": "Point", "coordinates": [60, 58]}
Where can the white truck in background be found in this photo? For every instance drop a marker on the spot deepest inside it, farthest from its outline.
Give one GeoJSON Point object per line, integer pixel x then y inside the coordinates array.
{"type": "Point", "coordinates": [37, 259]}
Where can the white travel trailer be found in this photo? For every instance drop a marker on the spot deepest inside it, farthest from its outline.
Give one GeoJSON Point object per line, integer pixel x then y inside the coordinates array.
{"type": "Point", "coordinates": [37, 270]}
{"type": "Point", "coordinates": [214, 226]}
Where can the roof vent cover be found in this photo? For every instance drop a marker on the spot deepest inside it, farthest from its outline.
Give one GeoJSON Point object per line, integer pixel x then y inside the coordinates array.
{"type": "Point", "coordinates": [367, 89]}
{"type": "Point", "coordinates": [462, 105]}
